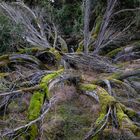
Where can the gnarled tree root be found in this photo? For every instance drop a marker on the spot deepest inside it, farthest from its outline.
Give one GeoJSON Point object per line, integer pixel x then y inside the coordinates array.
{"type": "Point", "coordinates": [112, 113]}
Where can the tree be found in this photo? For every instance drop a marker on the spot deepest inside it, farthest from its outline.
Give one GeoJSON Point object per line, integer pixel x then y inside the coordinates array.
{"type": "Point", "coordinates": [86, 25]}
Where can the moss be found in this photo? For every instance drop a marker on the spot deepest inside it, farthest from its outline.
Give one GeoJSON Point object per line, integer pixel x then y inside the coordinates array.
{"type": "Point", "coordinates": [46, 79]}
{"type": "Point", "coordinates": [87, 87]}
{"type": "Point", "coordinates": [4, 57]}
{"type": "Point", "coordinates": [130, 112]}
{"type": "Point", "coordinates": [95, 137]}
{"type": "Point", "coordinates": [4, 60]}
{"type": "Point", "coordinates": [120, 114]}
{"type": "Point", "coordinates": [114, 76]}
{"type": "Point", "coordinates": [80, 47]}
{"type": "Point", "coordinates": [100, 118]}
{"type": "Point", "coordinates": [33, 132]}
{"type": "Point", "coordinates": [125, 122]}
{"type": "Point", "coordinates": [37, 102]}
{"type": "Point", "coordinates": [3, 75]}
{"type": "Point", "coordinates": [105, 99]}
{"type": "Point", "coordinates": [30, 50]}
{"type": "Point", "coordinates": [113, 53]}
{"type": "Point", "coordinates": [97, 26]}
{"type": "Point", "coordinates": [35, 105]}
{"type": "Point", "coordinates": [123, 113]}
{"type": "Point", "coordinates": [56, 53]}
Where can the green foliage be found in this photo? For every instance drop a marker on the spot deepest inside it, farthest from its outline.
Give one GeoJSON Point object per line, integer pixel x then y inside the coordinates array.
{"type": "Point", "coordinates": [10, 35]}
{"type": "Point", "coordinates": [69, 17]}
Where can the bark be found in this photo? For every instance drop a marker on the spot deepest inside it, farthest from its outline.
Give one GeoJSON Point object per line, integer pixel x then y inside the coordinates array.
{"type": "Point", "coordinates": [86, 25]}
{"type": "Point", "coordinates": [106, 20]}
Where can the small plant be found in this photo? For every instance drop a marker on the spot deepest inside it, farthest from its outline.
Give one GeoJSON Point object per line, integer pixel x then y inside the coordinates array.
{"type": "Point", "coordinates": [10, 34]}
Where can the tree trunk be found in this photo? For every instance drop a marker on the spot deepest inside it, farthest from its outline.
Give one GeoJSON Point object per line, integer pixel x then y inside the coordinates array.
{"type": "Point", "coordinates": [86, 25]}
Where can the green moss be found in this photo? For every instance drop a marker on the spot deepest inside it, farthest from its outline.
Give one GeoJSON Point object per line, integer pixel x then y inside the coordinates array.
{"type": "Point", "coordinates": [100, 118]}
{"type": "Point", "coordinates": [30, 50]}
{"type": "Point", "coordinates": [120, 114]}
{"type": "Point", "coordinates": [56, 53]}
{"type": "Point", "coordinates": [4, 60]}
{"type": "Point", "coordinates": [33, 132]}
{"type": "Point", "coordinates": [37, 102]}
{"type": "Point", "coordinates": [87, 87]}
{"type": "Point", "coordinates": [3, 75]}
{"type": "Point", "coordinates": [97, 26]}
{"type": "Point", "coordinates": [35, 105]}
{"type": "Point", "coordinates": [105, 99]}
{"type": "Point", "coordinates": [95, 137]}
{"type": "Point", "coordinates": [80, 47]}
{"type": "Point", "coordinates": [46, 79]}
{"type": "Point", "coordinates": [114, 76]}
{"type": "Point", "coordinates": [3, 57]}
{"type": "Point", "coordinates": [125, 122]}
{"type": "Point", "coordinates": [34, 112]}
{"type": "Point", "coordinates": [113, 53]}
{"type": "Point", "coordinates": [130, 112]}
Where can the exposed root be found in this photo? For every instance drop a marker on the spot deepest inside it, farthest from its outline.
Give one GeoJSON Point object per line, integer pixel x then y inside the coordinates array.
{"type": "Point", "coordinates": [82, 61]}
{"type": "Point", "coordinates": [111, 109]}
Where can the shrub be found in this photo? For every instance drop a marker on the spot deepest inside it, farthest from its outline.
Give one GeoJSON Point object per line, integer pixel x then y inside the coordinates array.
{"type": "Point", "coordinates": [10, 34]}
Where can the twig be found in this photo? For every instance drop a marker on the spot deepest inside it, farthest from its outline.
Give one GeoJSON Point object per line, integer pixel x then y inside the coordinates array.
{"type": "Point", "coordinates": [20, 90]}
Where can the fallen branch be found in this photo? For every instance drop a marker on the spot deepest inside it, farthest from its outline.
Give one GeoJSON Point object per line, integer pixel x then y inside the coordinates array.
{"type": "Point", "coordinates": [21, 90]}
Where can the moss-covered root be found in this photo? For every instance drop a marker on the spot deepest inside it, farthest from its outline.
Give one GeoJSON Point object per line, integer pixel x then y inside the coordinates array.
{"type": "Point", "coordinates": [37, 102]}
{"type": "Point", "coordinates": [46, 79]}
{"type": "Point", "coordinates": [104, 98]}
{"type": "Point", "coordinates": [33, 113]}
{"type": "Point", "coordinates": [124, 121]}
{"type": "Point", "coordinates": [107, 102]}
